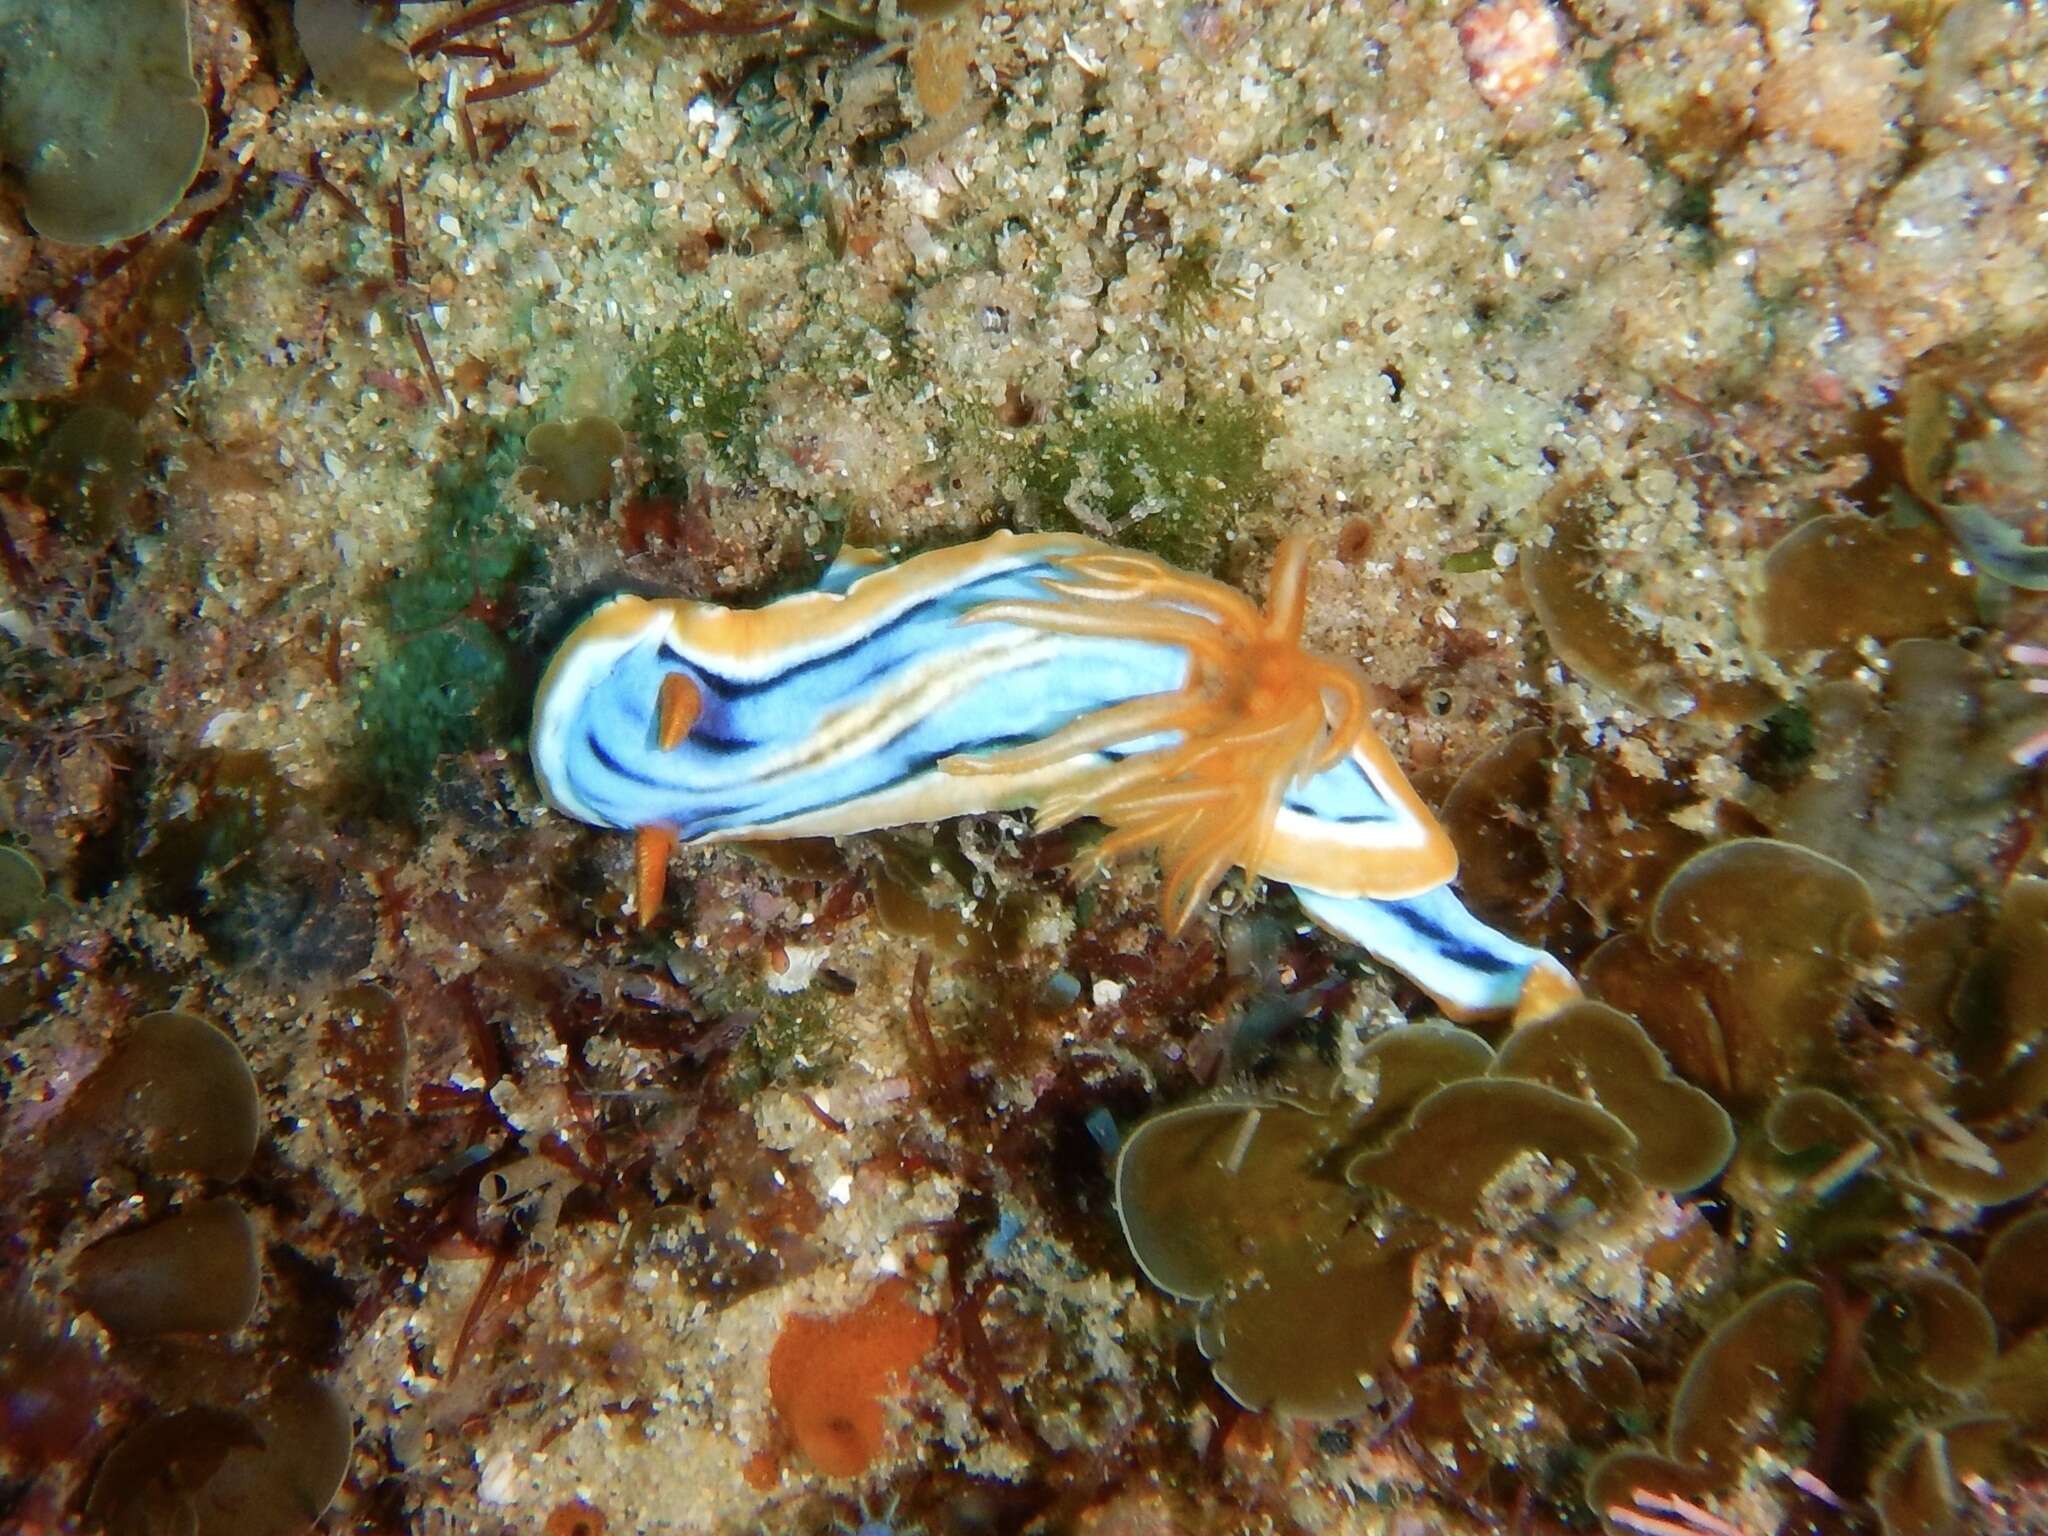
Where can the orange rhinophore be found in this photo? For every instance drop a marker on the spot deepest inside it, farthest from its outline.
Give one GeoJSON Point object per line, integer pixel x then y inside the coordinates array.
{"type": "Point", "coordinates": [680, 705]}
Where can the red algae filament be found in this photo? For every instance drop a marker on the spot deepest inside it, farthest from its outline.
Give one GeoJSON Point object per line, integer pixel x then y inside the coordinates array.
{"type": "Point", "coordinates": [828, 1376]}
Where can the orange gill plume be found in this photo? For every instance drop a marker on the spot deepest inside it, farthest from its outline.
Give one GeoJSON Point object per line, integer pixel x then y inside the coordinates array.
{"type": "Point", "coordinates": [1256, 717]}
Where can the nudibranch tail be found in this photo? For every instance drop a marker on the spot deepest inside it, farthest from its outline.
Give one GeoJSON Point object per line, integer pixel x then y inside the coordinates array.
{"type": "Point", "coordinates": [1473, 971]}
{"type": "Point", "coordinates": [1208, 766]}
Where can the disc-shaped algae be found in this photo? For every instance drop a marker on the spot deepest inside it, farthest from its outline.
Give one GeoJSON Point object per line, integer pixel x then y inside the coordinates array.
{"type": "Point", "coordinates": [280, 1487]}
{"type": "Point", "coordinates": [1923, 1489]}
{"type": "Point", "coordinates": [2001, 1016]}
{"type": "Point", "coordinates": [1841, 577]}
{"type": "Point", "coordinates": [1934, 1328]}
{"type": "Point", "coordinates": [101, 116]}
{"type": "Point", "coordinates": [2017, 1386]}
{"type": "Point", "coordinates": [176, 1095]}
{"type": "Point", "coordinates": [1311, 1336]}
{"type": "Point", "coordinates": [267, 1469]}
{"type": "Point", "coordinates": [1494, 815]}
{"type": "Point", "coordinates": [1992, 1166]}
{"type": "Point", "coordinates": [1780, 933]}
{"type": "Point", "coordinates": [1683, 1138]}
{"type": "Point", "coordinates": [2015, 1280]}
{"type": "Point", "coordinates": [1233, 1204]}
{"type": "Point", "coordinates": [1597, 639]}
{"type": "Point", "coordinates": [1619, 1483]}
{"type": "Point", "coordinates": [89, 472]}
{"type": "Point", "coordinates": [21, 888]}
{"type": "Point", "coordinates": [351, 61]}
{"type": "Point", "coordinates": [1202, 1189]}
{"type": "Point", "coordinates": [1749, 1378]}
{"type": "Point", "coordinates": [570, 462]}
{"type": "Point", "coordinates": [195, 1272]}
{"type": "Point", "coordinates": [147, 1483]}
{"type": "Point", "coordinates": [1407, 1065]}
{"type": "Point", "coordinates": [1466, 1135]}
{"type": "Point", "coordinates": [1813, 1121]}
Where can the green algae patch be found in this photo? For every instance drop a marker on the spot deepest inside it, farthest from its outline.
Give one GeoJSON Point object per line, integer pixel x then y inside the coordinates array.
{"type": "Point", "coordinates": [443, 692]}
{"type": "Point", "coordinates": [792, 1041]}
{"type": "Point", "coordinates": [451, 684]}
{"type": "Point", "coordinates": [700, 396]}
{"type": "Point", "coordinates": [1172, 482]}
{"type": "Point", "coordinates": [470, 559]}
{"type": "Point", "coordinates": [1190, 281]}
{"type": "Point", "coordinates": [101, 116]}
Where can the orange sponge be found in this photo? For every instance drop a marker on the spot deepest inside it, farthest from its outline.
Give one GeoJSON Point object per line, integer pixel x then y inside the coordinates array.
{"type": "Point", "coordinates": [828, 1376]}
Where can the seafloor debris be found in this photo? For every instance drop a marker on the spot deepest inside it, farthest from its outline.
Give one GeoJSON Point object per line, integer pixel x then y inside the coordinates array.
{"type": "Point", "coordinates": [1512, 47]}
{"type": "Point", "coordinates": [1974, 435]}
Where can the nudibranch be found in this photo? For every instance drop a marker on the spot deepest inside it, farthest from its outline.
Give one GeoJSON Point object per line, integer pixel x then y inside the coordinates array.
{"type": "Point", "coordinates": [1039, 670]}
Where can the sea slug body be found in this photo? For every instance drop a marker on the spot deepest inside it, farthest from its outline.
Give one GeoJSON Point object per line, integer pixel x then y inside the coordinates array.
{"type": "Point", "coordinates": [1040, 670]}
